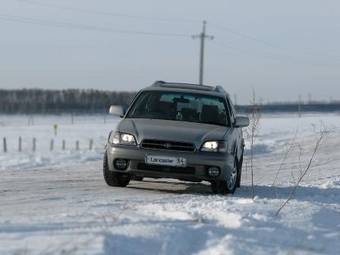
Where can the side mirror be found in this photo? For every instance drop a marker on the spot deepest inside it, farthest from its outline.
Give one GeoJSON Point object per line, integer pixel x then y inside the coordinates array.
{"type": "Point", "coordinates": [116, 110]}
{"type": "Point", "coordinates": [241, 121]}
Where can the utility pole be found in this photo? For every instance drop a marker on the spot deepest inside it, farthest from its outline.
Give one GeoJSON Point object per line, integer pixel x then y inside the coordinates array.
{"type": "Point", "coordinates": [202, 36]}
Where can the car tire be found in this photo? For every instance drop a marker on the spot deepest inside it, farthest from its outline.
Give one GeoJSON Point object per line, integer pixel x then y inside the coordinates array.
{"type": "Point", "coordinates": [114, 179]}
{"type": "Point", "coordinates": [137, 178]}
{"type": "Point", "coordinates": [239, 173]}
{"type": "Point", "coordinates": [228, 186]}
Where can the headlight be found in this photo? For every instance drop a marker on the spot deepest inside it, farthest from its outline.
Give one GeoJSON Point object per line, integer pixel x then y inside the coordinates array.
{"type": "Point", "coordinates": [117, 138]}
{"type": "Point", "coordinates": [214, 146]}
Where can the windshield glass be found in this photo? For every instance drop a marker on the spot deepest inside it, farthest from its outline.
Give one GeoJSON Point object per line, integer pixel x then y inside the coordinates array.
{"type": "Point", "coordinates": [180, 107]}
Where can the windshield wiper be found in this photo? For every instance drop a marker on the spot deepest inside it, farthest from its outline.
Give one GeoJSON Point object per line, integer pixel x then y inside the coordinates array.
{"type": "Point", "coordinates": [213, 123]}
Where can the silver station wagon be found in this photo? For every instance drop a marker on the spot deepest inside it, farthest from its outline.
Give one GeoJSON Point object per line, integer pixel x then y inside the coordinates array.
{"type": "Point", "coordinates": [176, 130]}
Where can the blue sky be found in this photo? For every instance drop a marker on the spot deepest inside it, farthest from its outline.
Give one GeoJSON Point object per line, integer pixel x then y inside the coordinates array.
{"type": "Point", "coordinates": [282, 49]}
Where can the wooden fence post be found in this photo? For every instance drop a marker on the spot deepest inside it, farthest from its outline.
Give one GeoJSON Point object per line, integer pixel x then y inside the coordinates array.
{"type": "Point", "coordinates": [20, 144]}
{"type": "Point", "coordinates": [51, 145]}
{"type": "Point", "coordinates": [34, 144]}
{"type": "Point", "coordinates": [5, 144]}
{"type": "Point", "coordinates": [91, 145]}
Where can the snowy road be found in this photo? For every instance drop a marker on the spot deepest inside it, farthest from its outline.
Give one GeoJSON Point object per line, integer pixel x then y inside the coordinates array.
{"type": "Point", "coordinates": [68, 209]}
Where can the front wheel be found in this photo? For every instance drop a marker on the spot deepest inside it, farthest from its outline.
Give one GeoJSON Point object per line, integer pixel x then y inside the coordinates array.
{"type": "Point", "coordinates": [137, 178]}
{"type": "Point", "coordinates": [114, 179]}
{"type": "Point", "coordinates": [229, 185]}
{"type": "Point", "coordinates": [239, 174]}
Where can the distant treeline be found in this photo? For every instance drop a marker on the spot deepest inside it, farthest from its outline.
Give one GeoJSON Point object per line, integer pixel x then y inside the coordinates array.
{"type": "Point", "coordinates": [291, 107]}
{"type": "Point", "coordinates": [29, 101]}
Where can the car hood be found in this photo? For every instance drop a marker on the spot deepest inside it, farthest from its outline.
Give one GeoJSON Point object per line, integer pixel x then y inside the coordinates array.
{"type": "Point", "coordinates": [170, 130]}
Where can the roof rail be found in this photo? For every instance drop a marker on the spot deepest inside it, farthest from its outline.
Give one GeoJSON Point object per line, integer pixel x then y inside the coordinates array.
{"type": "Point", "coordinates": [220, 89]}
{"type": "Point", "coordinates": [164, 84]}
{"type": "Point", "coordinates": [182, 86]}
{"type": "Point", "coordinates": [158, 83]}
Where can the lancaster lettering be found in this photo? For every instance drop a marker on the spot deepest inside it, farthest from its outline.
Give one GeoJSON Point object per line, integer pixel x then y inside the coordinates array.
{"type": "Point", "coordinates": [160, 160]}
{"type": "Point", "coordinates": [166, 161]}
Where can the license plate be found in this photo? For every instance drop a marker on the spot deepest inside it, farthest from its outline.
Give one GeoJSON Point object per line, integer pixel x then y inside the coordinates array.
{"type": "Point", "coordinates": [165, 161]}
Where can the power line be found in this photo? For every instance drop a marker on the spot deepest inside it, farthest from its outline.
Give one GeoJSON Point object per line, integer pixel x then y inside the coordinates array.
{"type": "Point", "coordinates": [281, 58]}
{"type": "Point", "coordinates": [106, 13]}
{"type": "Point", "coordinates": [69, 25]}
{"type": "Point", "coordinates": [243, 35]}
{"type": "Point", "coordinates": [222, 46]}
{"type": "Point", "coordinates": [304, 51]}
{"type": "Point", "coordinates": [162, 19]}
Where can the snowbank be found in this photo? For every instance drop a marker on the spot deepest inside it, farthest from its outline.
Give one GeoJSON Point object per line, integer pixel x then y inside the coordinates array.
{"type": "Point", "coordinates": [58, 203]}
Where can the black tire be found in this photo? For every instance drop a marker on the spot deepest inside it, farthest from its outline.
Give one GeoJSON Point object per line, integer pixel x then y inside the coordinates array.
{"type": "Point", "coordinates": [239, 175]}
{"type": "Point", "coordinates": [137, 178]}
{"type": "Point", "coordinates": [114, 179]}
{"type": "Point", "coordinates": [226, 186]}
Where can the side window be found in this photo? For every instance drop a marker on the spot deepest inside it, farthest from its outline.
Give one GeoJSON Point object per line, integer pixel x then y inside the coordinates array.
{"type": "Point", "coordinates": [221, 111]}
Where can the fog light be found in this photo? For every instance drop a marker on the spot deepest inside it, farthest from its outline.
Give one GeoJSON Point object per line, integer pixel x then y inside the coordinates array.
{"type": "Point", "coordinates": [121, 164]}
{"type": "Point", "coordinates": [213, 171]}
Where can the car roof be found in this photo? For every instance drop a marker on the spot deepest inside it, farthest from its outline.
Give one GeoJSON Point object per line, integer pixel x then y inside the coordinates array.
{"type": "Point", "coordinates": [187, 87]}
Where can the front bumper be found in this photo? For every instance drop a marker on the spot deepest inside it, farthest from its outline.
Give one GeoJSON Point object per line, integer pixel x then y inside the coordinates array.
{"type": "Point", "coordinates": [196, 170]}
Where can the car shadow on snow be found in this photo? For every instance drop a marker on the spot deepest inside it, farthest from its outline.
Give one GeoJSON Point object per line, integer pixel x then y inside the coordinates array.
{"type": "Point", "coordinates": [303, 193]}
{"type": "Point", "coordinates": [172, 187]}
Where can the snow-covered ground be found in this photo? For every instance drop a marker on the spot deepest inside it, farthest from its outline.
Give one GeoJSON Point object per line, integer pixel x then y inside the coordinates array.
{"type": "Point", "coordinates": [57, 202]}
{"type": "Point", "coordinates": [79, 128]}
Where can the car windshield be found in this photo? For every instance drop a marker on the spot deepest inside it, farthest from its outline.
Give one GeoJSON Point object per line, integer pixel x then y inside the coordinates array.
{"type": "Point", "coordinates": [180, 107]}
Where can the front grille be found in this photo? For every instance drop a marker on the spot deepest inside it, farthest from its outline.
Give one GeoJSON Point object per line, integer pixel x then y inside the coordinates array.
{"type": "Point", "coordinates": [166, 169]}
{"type": "Point", "coordinates": [167, 145]}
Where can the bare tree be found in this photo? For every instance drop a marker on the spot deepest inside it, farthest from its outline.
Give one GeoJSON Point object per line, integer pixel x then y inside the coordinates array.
{"type": "Point", "coordinates": [252, 132]}
{"type": "Point", "coordinates": [305, 171]}
{"type": "Point", "coordinates": [291, 145]}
